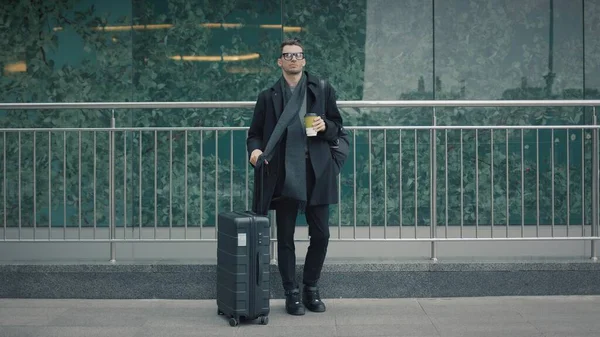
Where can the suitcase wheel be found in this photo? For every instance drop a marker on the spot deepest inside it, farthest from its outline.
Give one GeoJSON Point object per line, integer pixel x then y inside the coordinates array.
{"type": "Point", "coordinates": [264, 320]}
{"type": "Point", "coordinates": [233, 321]}
{"type": "Point", "coordinates": [220, 313]}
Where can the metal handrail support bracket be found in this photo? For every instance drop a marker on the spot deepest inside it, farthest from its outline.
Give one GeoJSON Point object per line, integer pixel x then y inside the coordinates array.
{"type": "Point", "coordinates": [112, 231]}
{"type": "Point", "coordinates": [433, 189]}
{"type": "Point", "coordinates": [595, 187]}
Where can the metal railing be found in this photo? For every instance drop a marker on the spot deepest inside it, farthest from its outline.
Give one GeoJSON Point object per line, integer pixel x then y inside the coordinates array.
{"type": "Point", "coordinates": [169, 183]}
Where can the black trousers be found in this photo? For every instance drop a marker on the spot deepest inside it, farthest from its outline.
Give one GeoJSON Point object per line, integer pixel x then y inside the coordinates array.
{"type": "Point", "coordinates": [317, 217]}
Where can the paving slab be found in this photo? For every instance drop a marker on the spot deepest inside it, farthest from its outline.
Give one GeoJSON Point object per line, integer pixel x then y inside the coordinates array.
{"type": "Point", "coordinates": [541, 316]}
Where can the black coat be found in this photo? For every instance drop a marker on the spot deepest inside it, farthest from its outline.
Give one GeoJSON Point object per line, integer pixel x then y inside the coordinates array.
{"type": "Point", "coordinates": [269, 180]}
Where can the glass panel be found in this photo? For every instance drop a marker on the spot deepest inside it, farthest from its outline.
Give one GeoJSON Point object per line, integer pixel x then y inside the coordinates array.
{"type": "Point", "coordinates": [216, 165]}
{"type": "Point", "coordinates": [592, 48]}
{"type": "Point", "coordinates": [334, 40]}
{"type": "Point", "coordinates": [184, 51]}
{"type": "Point", "coordinates": [496, 50]}
{"type": "Point", "coordinates": [70, 54]}
{"type": "Point", "coordinates": [190, 51]}
{"type": "Point", "coordinates": [398, 60]}
{"type": "Point", "coordinates": [370, 50]}
{"type": "Point", "coordinates": [61, 52]}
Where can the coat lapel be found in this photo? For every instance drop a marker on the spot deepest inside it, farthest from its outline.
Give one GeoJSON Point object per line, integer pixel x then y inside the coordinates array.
{"type": "Point", "coordinates": [314, 96]}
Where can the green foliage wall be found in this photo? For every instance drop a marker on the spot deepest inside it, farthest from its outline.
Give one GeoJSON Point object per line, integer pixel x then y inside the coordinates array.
{"type": "Point", "coordinates": [91, 51]}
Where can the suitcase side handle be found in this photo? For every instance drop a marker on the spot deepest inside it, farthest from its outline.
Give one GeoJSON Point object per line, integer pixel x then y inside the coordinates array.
{"type": "Point", "coordinates": [258, 273]}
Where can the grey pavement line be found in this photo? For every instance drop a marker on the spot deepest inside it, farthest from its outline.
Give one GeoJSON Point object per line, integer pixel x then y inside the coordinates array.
{"type": "Point", "coordinates": [429, 318]}
{"type": "Point", "coordinates": [529, 322]}
{"type": "Point", "coordinates": [335, 322]}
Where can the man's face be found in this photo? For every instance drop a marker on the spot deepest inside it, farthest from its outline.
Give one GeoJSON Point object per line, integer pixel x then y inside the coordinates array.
{"type": "Point", "coordinates": [291, 60]}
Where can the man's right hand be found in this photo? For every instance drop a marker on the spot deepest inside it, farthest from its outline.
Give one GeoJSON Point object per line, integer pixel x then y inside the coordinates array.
{"type": "Point", "coordinates": [254, 156]}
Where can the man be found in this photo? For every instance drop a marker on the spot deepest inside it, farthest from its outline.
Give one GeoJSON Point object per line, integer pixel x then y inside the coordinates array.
{"type": "Point", "coordinates": [299, 173]}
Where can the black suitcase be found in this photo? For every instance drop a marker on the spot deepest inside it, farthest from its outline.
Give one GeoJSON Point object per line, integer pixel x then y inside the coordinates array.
{"type": "Point", "coordinates": [243, 289]}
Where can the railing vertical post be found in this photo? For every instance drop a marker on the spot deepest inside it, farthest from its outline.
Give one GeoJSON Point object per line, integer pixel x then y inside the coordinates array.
{"type": "Point", "coordinates": [433, 189]}
{"type": "Point", "coordinates": [595, 186]}
{"type": "Point", "coordinates": [111, 222]}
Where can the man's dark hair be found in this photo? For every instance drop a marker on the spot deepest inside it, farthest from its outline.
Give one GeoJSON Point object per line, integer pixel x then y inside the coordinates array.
{"type": "Point", "coordinates": [291, 42]}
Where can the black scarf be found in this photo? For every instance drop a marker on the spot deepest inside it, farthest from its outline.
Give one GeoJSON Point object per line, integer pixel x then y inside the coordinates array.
{"type": "Point", "coordinates": [290, 123]}
{"type": "Point", "coordinates": [294, 185]}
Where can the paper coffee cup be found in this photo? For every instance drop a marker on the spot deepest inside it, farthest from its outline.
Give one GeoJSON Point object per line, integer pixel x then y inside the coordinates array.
{"type": "Point", "coordinates": [308, 122]}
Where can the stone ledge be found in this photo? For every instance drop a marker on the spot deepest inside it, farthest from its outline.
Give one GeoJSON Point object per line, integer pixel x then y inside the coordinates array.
{"type": "Point", "coordinates": [383, 279]}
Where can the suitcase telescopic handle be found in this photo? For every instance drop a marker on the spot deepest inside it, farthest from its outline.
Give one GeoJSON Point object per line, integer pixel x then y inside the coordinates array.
{"type": "Point", "coordinates": [260, 166]}
{"type": "Point", "coordinates": [262, 188]}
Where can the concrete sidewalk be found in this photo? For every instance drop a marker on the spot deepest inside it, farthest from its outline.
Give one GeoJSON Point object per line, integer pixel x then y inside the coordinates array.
{"type": "Point", "coordinates": [481, 316]}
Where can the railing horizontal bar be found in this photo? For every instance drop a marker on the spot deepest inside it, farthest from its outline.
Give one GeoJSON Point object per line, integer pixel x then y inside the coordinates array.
{"type": "Point", "coordinates": [584, 238]}
{"type": "Point", "coordinates": [472, 127]}
{"type": "Point", "coordinates": [250, 104]}
{"type": "Point", "coordinates": [465, 103]}
{"type": "Point", "coordinates": [358, 239]}
{"type": "Point", "coordinates": [377, 127]}
{"type": "Point", "coordinates": [130, 129]}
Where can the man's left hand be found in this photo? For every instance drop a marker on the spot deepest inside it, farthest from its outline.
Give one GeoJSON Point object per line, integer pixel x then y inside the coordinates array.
{"type": "Point", "coordinates": [319, 124]}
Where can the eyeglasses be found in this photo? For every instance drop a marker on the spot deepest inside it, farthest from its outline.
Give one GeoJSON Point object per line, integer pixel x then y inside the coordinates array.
{"type": "Point", "coordinates": [289, 56]}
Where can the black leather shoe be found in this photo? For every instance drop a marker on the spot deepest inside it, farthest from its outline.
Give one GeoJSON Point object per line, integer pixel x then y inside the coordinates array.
{"type": "Point", "coordinates": [312, 300]}
{"type": "Point", "coordinates": [293, 304]}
